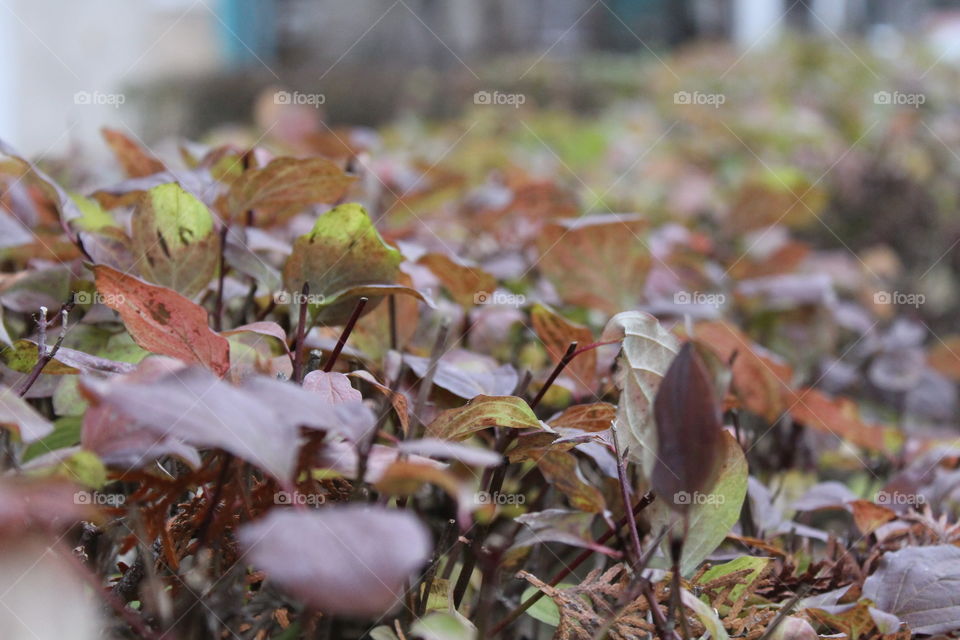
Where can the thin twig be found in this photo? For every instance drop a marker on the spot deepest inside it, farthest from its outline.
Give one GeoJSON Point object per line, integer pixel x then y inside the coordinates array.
{"type": "Point", "coordinates": [564, 361]}
{"type": "Point", "coordinates": [218, 305]}
{"type": "Point", "coordinates": [301, 334]}
{"type": "Point", "coordinates": [44, 356]}
{"type": "Point", "coordinates": [347, 330]}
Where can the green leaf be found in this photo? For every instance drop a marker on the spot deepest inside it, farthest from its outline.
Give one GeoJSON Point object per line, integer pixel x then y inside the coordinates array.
{"type": "Point", "coordinates": [174, 240]}
{"type": "Point", "coordinates": [481, 413]}
{"type": "Point", "coordinates": [709, 617]}
{"type": "Point", "coordinates": [545, 610]}
{"type": "Point", "coordinates": [22, 357]}
{"type": "Point", "coordinates": [94, 217]}
{"type": "Point", "coordinates": [66, 433]}
{"type": "Point", "coordinates": [342, 251]}
{"type": "Point", "coordinates": [712, 513]}
{"type": "Point", "coordinates": [441, 625]}
{"type": "Point", "coordinates": [755, 564]}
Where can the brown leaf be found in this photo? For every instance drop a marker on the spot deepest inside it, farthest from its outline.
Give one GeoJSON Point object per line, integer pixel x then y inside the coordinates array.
{"type": "Point", "coordinates": [689, 429]}
{"type": "Point", "coordinates": [869, 516]}
{"type": "Point", "coordinates": [557, 333]}
{"type": "Point", "coordinates": [288, 183]}
{"type": "Point", "coordinates": [464, 282]}
{"type": "Point", "coordinates": [593, 417]}
{"type": "Point", "coordinates": [136, 161]}
{"type": "Point", "coordinates": [597, 261]}
{"type": "Point", "coordinates": [560, 469]}
{"type": "Point", "coordinates": [840, 417]}
{"type": "Point", "coordinates": [162, 321]}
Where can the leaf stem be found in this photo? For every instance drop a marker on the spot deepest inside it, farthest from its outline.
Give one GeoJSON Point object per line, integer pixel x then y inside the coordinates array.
{"type": "Point", "coordinates": [557, 370]}
{"type": "Point", "coordinates": [301, 334]}
{"type": "Point", "coordinates": [347, 330]}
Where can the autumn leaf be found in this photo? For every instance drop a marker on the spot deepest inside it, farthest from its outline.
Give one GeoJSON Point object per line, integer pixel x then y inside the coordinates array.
{"type": "Point", "coordinates": [463, 281]}
{"type": "Point", "coordinates": [481, 413]}
{"type": "Point", "coordinates": [162, 321]}
{"type": "Point", "coordinates": [557, 333]}
{"type": "Point", "coordinates": [288, 183]}
{"type": "Point", "coordinates": [344, 250]}
{"type": "Point", "coordinates": [174, 240]}
{"type": "Point", "coordinates": [136, 161]}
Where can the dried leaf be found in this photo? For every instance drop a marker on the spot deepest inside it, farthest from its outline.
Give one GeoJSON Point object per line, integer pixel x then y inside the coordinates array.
{"type": "Point", "coordinates": [288, 183]}
{"type": "Point", "coordinates": [136, 161]}
{"type": "Point", "coordinates": [557, 333]}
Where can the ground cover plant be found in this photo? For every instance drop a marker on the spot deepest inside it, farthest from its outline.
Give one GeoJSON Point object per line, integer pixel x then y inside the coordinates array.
{"type": "Point", "coordinates": [520, 375]}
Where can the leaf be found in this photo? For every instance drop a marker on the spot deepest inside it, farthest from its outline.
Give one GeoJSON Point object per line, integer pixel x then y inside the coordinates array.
{"type": "Point", "coordinates": [21, 418]}
{"type": "Point", "coordinates": [436, 448]}
{"type": "Point", "coordinates": [463, 281]}
{"type": "Point", "coordinates": [162, 321]}
{"type": "Point", "coordinates": [706, 614]}
{"type": "Point", "coordinates": [397, 399]}
{"type": "Point", "coordinates": [561, 470]}
{"type": "Point", "coordinates": [258, 421]}
{"type": "Point", "coordinates": [343, 250]}
{"type": "Point", "coordinates": [597, 416]}
{"type": "Point", "coordinates": [288, 183]}
{"type": "Point", "coordinates": [135, 160]}
{"type": "Point", "coordinates": [689, 429]}
{"type": "Point", "coordinates": [545, 610]}
{"type": "Point", "coordinates": [66, 433]}
{"type": "Point", "coordinates": [22, 357]}
{"type": "Point", "coordinates": [557, 333]}
{"type": "Point", "coordinates": [467, 374]}
{"type": "Point", "coordinates": [646, 354]}
{"type": "Point", "coordinates": [754, 566]}
{"type": "Point", "coordinates": [760, 379]}
{"type": "Point", "coordinates": [597, 261]}
{"type": "Point", "coordinates": [839, 417]}
{"type": "Point", "coordinates": [711, 517]}
{"type": "Point", "coordinates": [333, 387]}
{"type": "Point", "coordinates": [344, 560]}
{"type": "Point", "coordinates": [919, 585]}
{"type": "Point", "coordinates": [444, 625]}
{"type": "Point", "coordinates": [174, 241]}
{"type": "Point", "coordinates": [869, 516]}
{"type": "Point", "coordinates": [558, 525]}
{"type": "Point", "coordinates": [481, 413]}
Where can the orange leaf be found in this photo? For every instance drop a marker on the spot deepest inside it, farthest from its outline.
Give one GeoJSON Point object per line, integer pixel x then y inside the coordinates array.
{"type": "Point", "coordinates": [162, 321]}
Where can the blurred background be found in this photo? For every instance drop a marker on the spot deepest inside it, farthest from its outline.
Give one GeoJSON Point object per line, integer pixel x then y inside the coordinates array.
{"type": "Point", "coordinates": [181, 67]}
